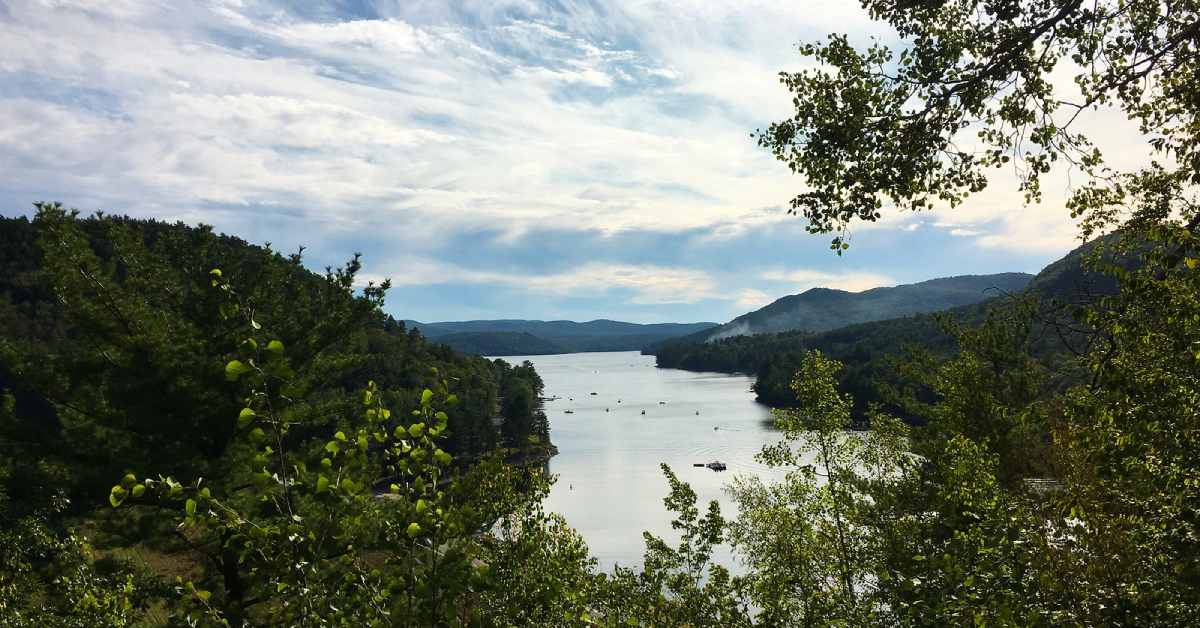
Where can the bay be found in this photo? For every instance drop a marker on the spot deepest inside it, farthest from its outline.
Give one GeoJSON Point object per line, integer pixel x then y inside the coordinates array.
{"type": "Point", "coordinates": [610, 487]}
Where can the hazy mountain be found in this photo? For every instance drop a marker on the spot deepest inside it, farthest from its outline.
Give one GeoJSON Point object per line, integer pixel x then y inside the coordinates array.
{"type": "Point", "coordinates": [823, 309]}
{"type": "Point", "coordinates": [533, 337]}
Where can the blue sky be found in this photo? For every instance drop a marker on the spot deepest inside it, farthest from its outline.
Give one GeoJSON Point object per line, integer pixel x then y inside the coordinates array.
{"type": "Point", "coordinates": [500, 159]}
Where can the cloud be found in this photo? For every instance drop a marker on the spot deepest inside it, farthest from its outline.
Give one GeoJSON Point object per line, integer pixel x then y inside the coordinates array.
{"type": "Point", "coordinates": [959, 232]}
{"type": "Point", "coordinates": [751, 299]}
{"type": "Point", "coordinates": [852, 281]}
{"type": "Point", "coordinates": [398, 125]}
{"type": "Point", "coordinates": [645, 284]}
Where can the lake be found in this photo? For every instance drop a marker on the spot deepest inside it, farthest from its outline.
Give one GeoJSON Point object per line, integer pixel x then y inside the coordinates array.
{"type": "Point", "coordinates": [610, 487]}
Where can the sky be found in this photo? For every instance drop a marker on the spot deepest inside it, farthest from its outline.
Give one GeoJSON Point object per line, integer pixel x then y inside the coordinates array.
{"type": "Point", "coordinates": [562, 159]}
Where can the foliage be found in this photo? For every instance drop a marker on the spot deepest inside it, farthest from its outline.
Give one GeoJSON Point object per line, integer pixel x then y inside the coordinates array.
{"type": "Point", "coordinates": [136, 337]}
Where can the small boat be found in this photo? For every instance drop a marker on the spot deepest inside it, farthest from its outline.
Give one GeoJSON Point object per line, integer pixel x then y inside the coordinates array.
{"type": "Point", "coordinates": [716, 465]}
{"type": "Point", "coordinates": [662, 403]}
{"type": "Point", "coordinates": [569, 412]}
{"type": "Point", "coordinates": [593, 393]}
{"type": "Point", "coordinates": [643, 412]}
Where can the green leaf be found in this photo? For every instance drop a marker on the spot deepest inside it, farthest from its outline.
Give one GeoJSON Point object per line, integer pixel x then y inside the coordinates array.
{"type": "Point", "coordinates": [442, 457]}
{"type": "Point", "coordinates": [421, 506]}
{"type": "Point", "coordinates": [235, 369]}
{"type": "Point", "coordinates": [216, 272]}
{"type": "Point", "coordinates": [414, 529]}
{"type": "Point", "coordinates": [341, 436]}
{"type": "Point", "coordinates": [426, 397]}
{"type": "Point", "coordinates": [332, 447]}
{"type": "Point", "coordinates": [138, 489]}
{"type": "Point", "coordinates": [322, 484]}
{"type": "Point", "coordinates": [245, 417]}
{"type": "Point", "coordinates": [116, 496]}
{"type": "Point", "coordinates": [416, 429]}
{"type": "Point", "coordinates": [190, 507]}
{"type": "Point", "coordinates": [275, 347]}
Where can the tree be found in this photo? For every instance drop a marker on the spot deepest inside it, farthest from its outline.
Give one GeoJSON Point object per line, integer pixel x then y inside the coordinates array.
{"type": "Point", "coordinates": [809, 540]}
{"type": "Point", "coordinates": [971, 89]}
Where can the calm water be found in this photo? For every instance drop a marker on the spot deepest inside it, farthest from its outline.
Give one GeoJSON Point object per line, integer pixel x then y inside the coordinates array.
{"type": "Point", "coordinates": [610, 487]}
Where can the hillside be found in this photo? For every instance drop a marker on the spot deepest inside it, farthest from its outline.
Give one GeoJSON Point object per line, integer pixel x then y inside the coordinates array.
{"type": "Point", "coordinates": [867, 348]}
{"type": "Point", "coordinates": [543, 337]}
{"type": "Point", "coordinates": [125, 319]}
{"type": "Point", "coordinates": [499, 343]}
{"type": "Point", "coordinates": [823, 309]}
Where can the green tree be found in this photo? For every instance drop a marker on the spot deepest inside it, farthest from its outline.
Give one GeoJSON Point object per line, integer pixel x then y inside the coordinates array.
{"type": "Point", "coordinates": [809, 539]}
{"type": "Point", "coordinates": [971, 89]}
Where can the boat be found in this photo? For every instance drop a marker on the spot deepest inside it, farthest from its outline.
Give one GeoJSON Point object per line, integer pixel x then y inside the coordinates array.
{"type": "Point", "coordinates": [643, 412]}
{"type": "Point", "coordinates": [569, 412]}
{"type": "Point", "coordinates": [716, 465]}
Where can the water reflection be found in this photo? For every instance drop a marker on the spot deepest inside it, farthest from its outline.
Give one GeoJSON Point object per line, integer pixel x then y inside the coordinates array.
{"type": "Point", "coordinates": [610, 444]}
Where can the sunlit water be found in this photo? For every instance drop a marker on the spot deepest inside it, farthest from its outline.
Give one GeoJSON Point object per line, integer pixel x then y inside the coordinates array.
{"type": "Point", "coordinates": [610, 487]}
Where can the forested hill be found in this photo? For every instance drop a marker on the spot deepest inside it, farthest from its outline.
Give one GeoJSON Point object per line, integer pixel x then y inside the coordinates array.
{"type": "Point", "coordinates": [867, 349]}
{"type": "Point", "coordinates": [823, 309]}
{"type": "Point", "coordinates": [499, 343]}
{"type": "Point", "coordinates": [534, 337]}
{"type": "Point", "coordinates": [117, 334]}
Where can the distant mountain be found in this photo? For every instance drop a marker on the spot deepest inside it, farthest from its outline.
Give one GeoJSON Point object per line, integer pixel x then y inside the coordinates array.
{"type": "Point", "coordinates": [499, 343]}
{"type": "Point", "coordinates": [867, 348]}
{"type": "Point", "coordinates": [823, 309]}
{"type": "Point", "coordinates": [533, 337]}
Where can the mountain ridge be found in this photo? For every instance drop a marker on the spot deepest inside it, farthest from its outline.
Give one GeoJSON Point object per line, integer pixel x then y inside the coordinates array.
{"type": "Point", "coordinates": [539, 337]}
{"type": "Point", "coordinates": [823, 309]}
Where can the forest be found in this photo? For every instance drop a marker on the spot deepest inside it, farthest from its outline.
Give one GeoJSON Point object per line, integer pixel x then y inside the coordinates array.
{"type": "Point", "coordinates": [199, 432]}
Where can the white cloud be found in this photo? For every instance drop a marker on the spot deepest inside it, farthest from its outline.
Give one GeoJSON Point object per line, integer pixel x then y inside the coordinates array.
{"type": "Point", "coordinates": [959, 232]}
{"type": "Point", "coordinates": [433, 120]}
{"type": "Point", "coordinates": [850, 281]}
{"type": "Point", "coordinates": [751, 299]}
{"type": "Point", "coordinates": [649, 284]}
